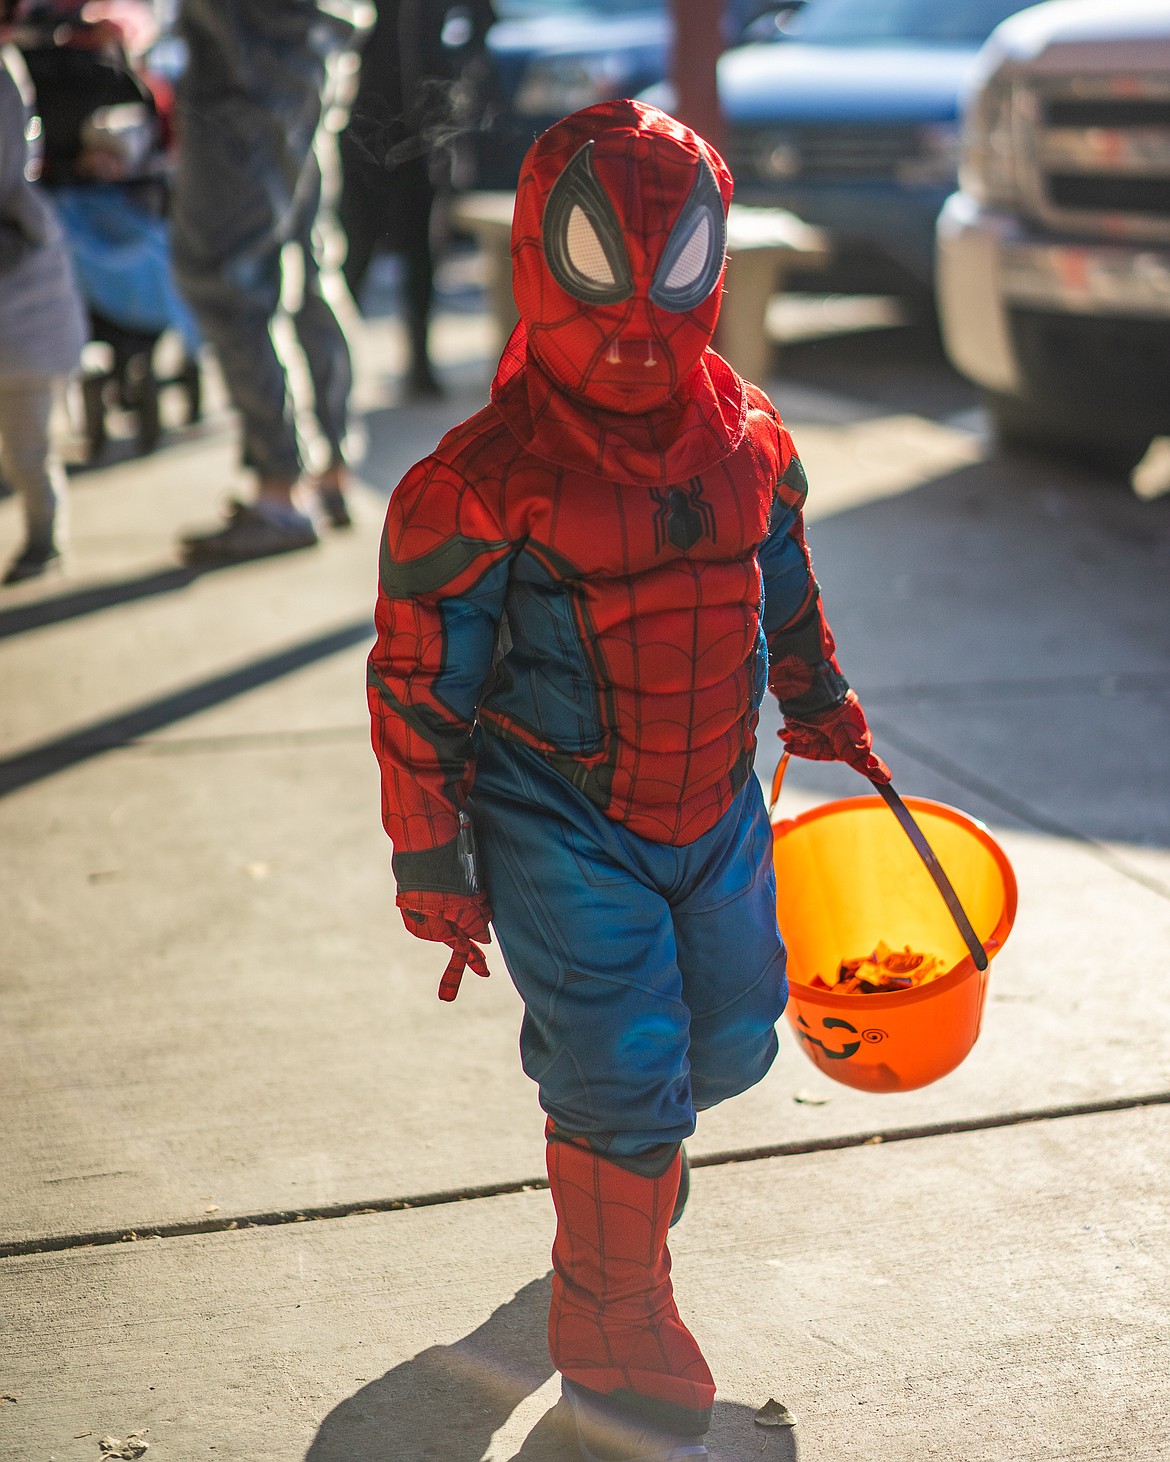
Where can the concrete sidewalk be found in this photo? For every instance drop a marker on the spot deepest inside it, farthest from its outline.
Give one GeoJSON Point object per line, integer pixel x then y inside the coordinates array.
{"type": "Point", "coordinates": [985, 1297]}
{"type": "Point", "coordinates": [215, 1018]}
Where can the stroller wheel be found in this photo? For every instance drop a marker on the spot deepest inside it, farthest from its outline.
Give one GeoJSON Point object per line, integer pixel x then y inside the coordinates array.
{"type": "Point", "coordinates": [146, 405]}
{"type": "Point", "coordinates": [191, 381]}
{"type": "Point", "coordinates": [140, 394]}
{"type": "Point", "coordinates": [93, 401]}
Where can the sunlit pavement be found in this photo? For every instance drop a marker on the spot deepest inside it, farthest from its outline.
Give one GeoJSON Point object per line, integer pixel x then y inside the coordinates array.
{"type": "Point", "coordinates": [215, 1025]}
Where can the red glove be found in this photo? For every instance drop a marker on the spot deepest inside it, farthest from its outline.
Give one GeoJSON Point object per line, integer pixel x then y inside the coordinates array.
{"type": "Point", "coordinates": [454, 919]}
{"type": "Point", "coordinates": [838, 734]}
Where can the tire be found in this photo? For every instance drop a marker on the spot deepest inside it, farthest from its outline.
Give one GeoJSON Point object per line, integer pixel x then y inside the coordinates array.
{"type": "Point", "coordinates": [1022, 427]}
{"type": "Point", "coordinates": [1033, 429]}
{"type": "Point", "coordinates": [191, 380]}
{"type": "Point", "coordinates": [93, 403]}
{"type": "Point", "coordinates": [142, 398]}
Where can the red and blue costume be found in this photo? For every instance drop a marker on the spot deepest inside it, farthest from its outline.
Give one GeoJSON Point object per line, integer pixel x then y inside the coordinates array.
{"type": "Point", "coordinates": [584, 592]}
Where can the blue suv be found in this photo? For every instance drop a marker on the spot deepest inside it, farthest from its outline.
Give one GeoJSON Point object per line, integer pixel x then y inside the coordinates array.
{"type": "Point", "coordinates": [547, 60]}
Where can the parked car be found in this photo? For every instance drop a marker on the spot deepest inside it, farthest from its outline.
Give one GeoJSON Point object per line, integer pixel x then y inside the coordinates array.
{"type": "Point", "coordinates": [848, 116]}
{"type": "Point", "coordinates": [844, 111]}
{"type": "Point", "coordinates": [1054, 257]}
{"type": "Point", "coordinates": [552, 57]}
{"type": "Point", "coordinates": [547, 61]}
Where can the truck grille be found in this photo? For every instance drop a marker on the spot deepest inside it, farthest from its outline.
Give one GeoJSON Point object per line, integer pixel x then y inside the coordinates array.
{"type": "Point", "coordinates": [1111, 195]}
{"type": "Point", "coordinates": [771, 155]}
{"type": "Point", "coordinates": [1099, 154]}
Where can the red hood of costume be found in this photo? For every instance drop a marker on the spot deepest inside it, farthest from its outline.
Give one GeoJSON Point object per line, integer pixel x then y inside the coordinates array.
{"type": "Point", "coordinates": [617, 264]}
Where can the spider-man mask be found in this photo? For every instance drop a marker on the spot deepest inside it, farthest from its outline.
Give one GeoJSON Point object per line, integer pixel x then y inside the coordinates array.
{"type": "Point", "coordinates": [618, 251]}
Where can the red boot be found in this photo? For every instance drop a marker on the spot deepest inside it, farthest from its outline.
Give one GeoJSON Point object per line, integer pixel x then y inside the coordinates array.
{"type": "Point", "coordinates": [614, 1330]}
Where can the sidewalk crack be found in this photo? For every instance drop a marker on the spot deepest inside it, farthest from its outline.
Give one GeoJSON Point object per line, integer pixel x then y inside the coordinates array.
{"type": "Point", "coordinates": [58, 1243]}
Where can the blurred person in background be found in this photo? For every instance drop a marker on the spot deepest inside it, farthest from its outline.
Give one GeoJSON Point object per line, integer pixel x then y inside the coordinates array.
{"type": "Point", "coordinates": [262, 82]}
{"type": "Point", "coordinates": [418, 94]}
{"type": "Point", "coordinates": [42, 322]}
{"type": "Point", "coordinates": [107, 165]}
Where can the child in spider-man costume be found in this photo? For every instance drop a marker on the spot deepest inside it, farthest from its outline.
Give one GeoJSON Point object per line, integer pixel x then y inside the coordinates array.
{"type": "Point", "coordinates": [584, 591]}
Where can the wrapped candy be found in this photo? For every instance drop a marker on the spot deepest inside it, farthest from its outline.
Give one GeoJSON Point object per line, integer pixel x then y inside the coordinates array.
{"type": "Point", "coordinates": [881, 972]}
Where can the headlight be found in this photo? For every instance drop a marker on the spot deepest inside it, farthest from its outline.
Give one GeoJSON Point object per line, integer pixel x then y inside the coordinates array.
{"type": "Point", "coordinates": [988, 165]}
{"type": "Point", "coordinates": [936, 160]}
{"type": "Point", "coordinates": [554, 86]}
{"type": "Point", "coordinates": [776, 157]}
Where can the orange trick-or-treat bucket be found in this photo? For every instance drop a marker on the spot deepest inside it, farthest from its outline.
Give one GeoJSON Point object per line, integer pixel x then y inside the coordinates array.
{"type": "Point", "coordinates": [849, 878]}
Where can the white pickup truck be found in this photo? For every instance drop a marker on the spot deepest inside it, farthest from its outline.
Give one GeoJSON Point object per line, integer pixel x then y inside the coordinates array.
{"type": "Point", "coordinates": [1054, 258]}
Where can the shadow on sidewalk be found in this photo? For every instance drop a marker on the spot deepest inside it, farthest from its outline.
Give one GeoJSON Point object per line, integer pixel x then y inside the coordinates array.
{"type": "Point", "coordinates": [85, 742]}
{"type": "Point", "coordinates": [446, 1403]}
{"type": "Point", "coordinates": [19, 618]}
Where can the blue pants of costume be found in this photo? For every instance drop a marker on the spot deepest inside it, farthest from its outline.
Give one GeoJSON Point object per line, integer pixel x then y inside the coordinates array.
{"type": "Point", "coordinates": [652, 976]}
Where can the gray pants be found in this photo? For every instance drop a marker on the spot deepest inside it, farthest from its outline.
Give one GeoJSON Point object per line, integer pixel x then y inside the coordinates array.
{"type": "Point", "coordinates": [248, 185]}
{"type": "Point", "coordinates": [27, 458]}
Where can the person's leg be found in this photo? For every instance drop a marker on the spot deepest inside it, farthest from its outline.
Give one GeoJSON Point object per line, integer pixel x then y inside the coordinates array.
{"type": "Point", "coordinates": [361, 237]}
{"type": "Point", "coordinates": [30, 464]}
{"type": "Point", "coordinates": [234, 186]}
{"type": "Point", "coordinates": [633, 1374]}
{"type": "Point", "coordinates": [586, 933]}
{"type": "Point", "coordinates": [237, 323]}
{"type": "Point", "coordinates": [356, 213]}
{"type": "Point", "coordinates": [325, 347]}
{"type": "Point", "coordinates": [588, 940]}
{"type": "Point", "coordinates": [730, 951]}
{"type": "Point", "coordinates": [235, 308]}
{"type": "Point", "coordinates": [331, 374]}
{"type": "Point", "coordinates": [419, 284]}
{"type": "Point", "coordinates": [235, 301]}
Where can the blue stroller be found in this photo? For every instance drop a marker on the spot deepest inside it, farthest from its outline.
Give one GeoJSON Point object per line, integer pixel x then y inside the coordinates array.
{"type": "Point", "coordinates": [106, 168]}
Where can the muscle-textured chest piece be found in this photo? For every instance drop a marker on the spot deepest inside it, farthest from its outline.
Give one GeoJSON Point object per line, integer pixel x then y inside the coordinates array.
{"type": "Point", "coordinates": [598, 528]}
{"type": "Point", "coordinates": [629, 652]}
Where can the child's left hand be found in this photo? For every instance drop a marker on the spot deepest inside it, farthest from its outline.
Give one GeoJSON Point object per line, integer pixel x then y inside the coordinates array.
{"type": "Point", "coordinates": [839, 734]}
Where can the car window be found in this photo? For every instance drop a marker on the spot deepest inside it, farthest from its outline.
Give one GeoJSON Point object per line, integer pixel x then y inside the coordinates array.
{"type": "Point", "coordinates": [891, 22]}
{"type": "Point", "coordinates": [528, 9]}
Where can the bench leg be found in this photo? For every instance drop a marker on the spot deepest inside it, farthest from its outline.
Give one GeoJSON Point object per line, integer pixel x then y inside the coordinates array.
{"type": "Point", "coordinates": [503, 306]}
{"type": "Point", "coordinates": [753, 277]}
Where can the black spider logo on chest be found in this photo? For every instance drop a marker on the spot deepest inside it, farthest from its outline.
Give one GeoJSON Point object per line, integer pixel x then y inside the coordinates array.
{"type": "Point", "coordinates": [682, 516]}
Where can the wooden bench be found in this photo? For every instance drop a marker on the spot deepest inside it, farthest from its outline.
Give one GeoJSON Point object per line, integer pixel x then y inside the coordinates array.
{"type": "Point", "coordinates": [762, 246]}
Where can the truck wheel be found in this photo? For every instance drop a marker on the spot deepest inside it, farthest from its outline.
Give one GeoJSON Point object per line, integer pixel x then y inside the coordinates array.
{"type": "Point", "coordinates": [1023, 426]}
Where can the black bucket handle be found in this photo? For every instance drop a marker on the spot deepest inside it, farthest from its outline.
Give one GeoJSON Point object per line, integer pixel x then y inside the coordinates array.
{"type": "Point", "coordinates": [906, 821]}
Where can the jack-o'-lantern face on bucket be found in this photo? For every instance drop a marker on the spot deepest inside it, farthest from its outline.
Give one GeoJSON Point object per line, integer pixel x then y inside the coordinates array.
{"type": "Point", "coordinates": [618, 248]}
{"type": "Point", "coordinates": [838, 1041]}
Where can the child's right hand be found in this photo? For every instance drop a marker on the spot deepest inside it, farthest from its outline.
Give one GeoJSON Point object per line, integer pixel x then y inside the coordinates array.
{"type": "Point", "coordinates": [457, 920]}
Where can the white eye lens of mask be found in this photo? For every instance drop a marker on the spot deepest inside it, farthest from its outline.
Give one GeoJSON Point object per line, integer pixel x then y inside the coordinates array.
{"type": "Point", "coordinates": [690, 263]}
{"type": "Point", "coordinates": [584, 249]}
{"type": "Point", "coordinates": [582, 238]}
